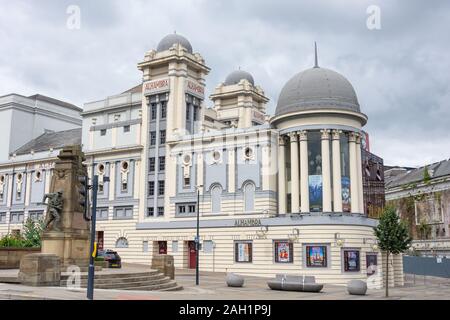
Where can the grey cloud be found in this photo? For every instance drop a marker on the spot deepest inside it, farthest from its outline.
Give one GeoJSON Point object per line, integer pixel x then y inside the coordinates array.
{"type": "Point", "coordinates": [400, 72]}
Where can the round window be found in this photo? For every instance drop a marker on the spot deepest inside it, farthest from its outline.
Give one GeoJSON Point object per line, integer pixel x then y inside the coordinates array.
{"type": "Point", "coordinates": [186, 159]}
{"type": "Point", "coordinates": [216, 155]}
{"type": "Point", "coordinates": [38, 175]}
{"type": "Point", "coordinates": [2, 179]}
{"type": "Point", "coordinates": [19, 176]}
{"type": "Point", "coordinates": [248, 152]}
{"type": "Point", "coordinates": [101, 168]}
{"type": "Point", "coordinates": [124, 165]}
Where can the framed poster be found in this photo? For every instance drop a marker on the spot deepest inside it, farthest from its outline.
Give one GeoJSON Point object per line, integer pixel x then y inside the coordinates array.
{"type": "Point", "coordinates": [316, 256]}
{"type": "Point", "coordinates": [243, 251]}
{"type": "Point", "coordinates": [315, 193]}
{"type": "Point", "coordinates": [371, 263]}
{"type": "Point", "coordinates": [351, 260]}
{"type": "Point", "coordinates": [284, 252]}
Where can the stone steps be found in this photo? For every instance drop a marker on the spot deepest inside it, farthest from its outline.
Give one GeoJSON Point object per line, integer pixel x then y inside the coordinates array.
{"type": "Point", "coordinates": [149, 280]}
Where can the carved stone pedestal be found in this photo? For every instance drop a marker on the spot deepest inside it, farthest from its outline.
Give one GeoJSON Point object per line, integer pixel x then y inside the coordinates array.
{"type": "Point", "coordinates": [40, 269]}
{"type": "Point", "coordinates": [71, 247]}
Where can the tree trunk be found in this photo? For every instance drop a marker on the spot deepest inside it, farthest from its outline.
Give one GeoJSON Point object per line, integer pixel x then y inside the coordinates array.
{"type": "Point", "coordinates": [387, 274]}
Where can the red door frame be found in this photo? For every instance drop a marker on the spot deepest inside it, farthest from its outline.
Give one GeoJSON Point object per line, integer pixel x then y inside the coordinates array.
{"type": "Point", "coordinates": [192, 255]}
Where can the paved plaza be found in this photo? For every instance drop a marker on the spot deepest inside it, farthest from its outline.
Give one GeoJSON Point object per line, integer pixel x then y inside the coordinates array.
{"type": "Point", "coordinates": [212, 286]}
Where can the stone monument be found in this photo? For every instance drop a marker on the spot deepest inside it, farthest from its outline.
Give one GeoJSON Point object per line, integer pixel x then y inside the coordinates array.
{"type": "Point", "coordinates": [67, 232]}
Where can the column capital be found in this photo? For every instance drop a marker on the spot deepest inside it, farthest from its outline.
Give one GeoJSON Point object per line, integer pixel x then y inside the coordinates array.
{"type": "Point", "coordinates": [293, 136]}
{"type": "Point", "coordinates": [303, 135]}
{"type": "Point", "coordinates": [352, 136]}
{"type": "Point", "coordinates": [325, 134]}
{"type": "Point", "coordinates": [336, 134]}
{"type": "Point", "coordinates": [281, 140]}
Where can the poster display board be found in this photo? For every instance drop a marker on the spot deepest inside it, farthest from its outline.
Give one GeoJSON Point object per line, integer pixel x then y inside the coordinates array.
{"type": "Point", "coordinates": [243, 252]}
{"type": "Point", "coordinates": [371, 263]}
{"type": "Point", "coordinates": [316, 256]}
{"type": "Point", "coordinates": [315, 193]}
{"type": "Point", "coordinates": [284, 252]}
{"type": "Point", "coordinates": [346, 204]}
{"type": "Point", "coordinates": [351, 260]}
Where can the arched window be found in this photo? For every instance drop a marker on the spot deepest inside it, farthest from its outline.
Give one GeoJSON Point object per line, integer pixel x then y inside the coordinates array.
{"type": "Point", "coordinates": [249, 196]}
{"type": "Point", "coordinates": [122, 242]}
{"type": "Point", "coordinates": [216, 193]}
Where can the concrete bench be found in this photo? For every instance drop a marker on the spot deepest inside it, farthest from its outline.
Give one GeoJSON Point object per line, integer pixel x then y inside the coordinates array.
{"type": "Point", "coordinates": [294, 283]}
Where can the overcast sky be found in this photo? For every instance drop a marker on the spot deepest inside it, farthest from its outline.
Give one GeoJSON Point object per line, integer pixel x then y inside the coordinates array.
{"type": "Point", "coordinates": [401, 72]}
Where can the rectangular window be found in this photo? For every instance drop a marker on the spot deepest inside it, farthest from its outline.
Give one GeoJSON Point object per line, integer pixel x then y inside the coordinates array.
{"type": "Point", "coordinates": [195, 113]}
{"type": "Point", "coordinates": [152, 138]}
{"type": "Point", "coordinates": [160, 211]}
{"type": "Point", "coordinates": [126, 128]}
{"type": "Point", "coordinates": [174, 246]}
{"type": "Point", "coordinates": [316, 256]}
{"type": "Point", "coordinates": [208, 246]}
{"type": "Point", "coordinates": [153, 111]}
{"type": "Point", "coordinates": [102, 213]}
{"type": "Point", "coordinates": [124, 187]}
{"type": "Point", "coordinates": [123, 212]}
{"type": "Point", "coordinates": [36, 215]}
{"type": "Point", "coordinates": [191, 208]}
{"type": "Point", "coordinates": [144, 246]}
{"type": "Point", "coordinates": [162, 163]}
{"type": "Point", "coordinates": [151, 165]}
{"type": "Point", "coordinates": [16, 217]}
{"type": "Point", "coordinates": [2, 217]}
{"type": "Point", "coordinates": [186, 182]}
{"type": "Point", "coordinates": [181, 208]}
{"type": "Point", "coordinates": [161, 187]}
{"type": "Point", "coordinates": [103, 132]}
{"type": "Point", "coordinates": [151, 188]}
{"type": "Point", "coordinates": [162, 136]}
{"type": "Point", "coordinates": [351, 260]}
{"type": "Point", "coordinates": [188, 109]}
{"type": "Point", "coordinates": [163, 109]}
{"type": "Point", "coordinates": [150, 212]}
{"type": "Point", "coordinates": [243, 251]}
{"type": "Point", "coordinates": [100, 188]}
{"type": "Point", "coordinates": [284, 251]}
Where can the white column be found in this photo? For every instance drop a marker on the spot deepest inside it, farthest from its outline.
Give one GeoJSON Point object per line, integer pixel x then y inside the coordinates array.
{"type": "Point", "coordinates": [326, 171]}
{"type": "Point", "coordinates": [295, 195]}
{"type": "Point", "coordinates": [112, 180]}
{"type": "Point", "coordinates": [281, 175]}
{"type": "Point", "coordinates": [354, 193]}
{"type": "Point", "coordinates": [231, 170]}
{"type": "Point", "coordinates": [139, 129]}
{"type": "Point", "coordinates": [10, 189]}
{"type": "Point", "coordinates": [304, 175]}
{"type": "Point", "coordinates": [28, 189]}
{"type": "Point", "coordinates": [337, 180]}
{"type": "Point", "coordinates": [48, 179]}
{"type": "Point", "coordinates": [137, 176]}
{"type": "Point", "coordinates": [360, 178]}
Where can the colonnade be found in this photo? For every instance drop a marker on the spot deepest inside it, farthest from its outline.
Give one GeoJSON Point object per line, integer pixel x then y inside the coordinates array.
{"type": "Point", "coordinates": [332, 197]}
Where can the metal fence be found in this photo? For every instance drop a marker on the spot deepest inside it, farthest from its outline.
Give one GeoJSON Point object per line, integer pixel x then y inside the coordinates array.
{"type": "Point", "coordinates": [427, 266]}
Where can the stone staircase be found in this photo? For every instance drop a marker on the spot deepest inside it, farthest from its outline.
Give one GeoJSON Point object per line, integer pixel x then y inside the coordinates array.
{"type": "Point", "coordinates": [148, 280]}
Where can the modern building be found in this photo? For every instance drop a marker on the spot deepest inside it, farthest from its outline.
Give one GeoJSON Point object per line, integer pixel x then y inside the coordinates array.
{"type": "Point", "coordinates": [275, 194]}
{"type": "Point", "coordinates": [422, 198]}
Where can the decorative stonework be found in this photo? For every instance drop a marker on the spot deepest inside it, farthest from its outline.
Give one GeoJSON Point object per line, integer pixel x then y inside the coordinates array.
{"type": "Point", "coordinates": [303, 135]}
{"type": "Point", "coordinates": [336, 134]}
{"type": "Point", "coordinates": [325, 134]}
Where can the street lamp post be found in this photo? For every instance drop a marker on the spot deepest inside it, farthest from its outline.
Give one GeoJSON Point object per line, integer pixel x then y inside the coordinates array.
{"type": "Point", "coordinates": [197, 239]}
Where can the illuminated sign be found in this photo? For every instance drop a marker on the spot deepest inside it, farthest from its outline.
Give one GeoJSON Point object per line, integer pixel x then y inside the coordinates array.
{"type": "Point", "coordinates": [156, 86]}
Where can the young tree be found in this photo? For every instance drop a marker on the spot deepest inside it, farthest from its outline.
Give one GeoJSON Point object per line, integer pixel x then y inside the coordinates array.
{"type": "Point", "coordinates": [32, 231]}
{"type": "Point", "coordinates": [393, 237]}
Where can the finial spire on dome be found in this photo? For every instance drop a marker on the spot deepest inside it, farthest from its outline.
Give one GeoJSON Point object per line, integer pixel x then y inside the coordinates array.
{"type": "Point", "coordinates": [316, 62]}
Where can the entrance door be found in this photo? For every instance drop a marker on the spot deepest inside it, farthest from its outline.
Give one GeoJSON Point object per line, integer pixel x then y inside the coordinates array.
{"type": "Point", "coordinates": [162, 247]}
{"type": "Point", "coordinates": [100, 236]}
{"type": "Point", "coordinates": [192, 254]}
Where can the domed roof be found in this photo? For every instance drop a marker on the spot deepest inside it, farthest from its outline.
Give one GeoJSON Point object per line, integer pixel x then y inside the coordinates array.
{"type": "Point", "coordinates": [317, 88]}
{"type": "Point", "coordinates": [168, 41]}
{"type": "Point", "coordinates": [238, 75]}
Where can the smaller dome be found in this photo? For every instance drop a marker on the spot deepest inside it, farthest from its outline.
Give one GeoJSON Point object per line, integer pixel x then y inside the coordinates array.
{"type": "Point", "coordinates": [168, 41]}
{"type": "Point", "coordinates": [238, 75]}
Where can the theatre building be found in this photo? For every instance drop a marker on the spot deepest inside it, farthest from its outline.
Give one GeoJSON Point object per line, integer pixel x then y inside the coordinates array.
{"type": "Point", "coordinates": [278, 193]}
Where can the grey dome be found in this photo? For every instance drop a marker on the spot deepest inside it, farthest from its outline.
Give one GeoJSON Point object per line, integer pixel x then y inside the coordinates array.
{"type": "Point", "coordinates": [317, 88]}
{"type": "Point", "coordinates": [238, 75]}
{"type": "Point", "coordinates": [168, 41]}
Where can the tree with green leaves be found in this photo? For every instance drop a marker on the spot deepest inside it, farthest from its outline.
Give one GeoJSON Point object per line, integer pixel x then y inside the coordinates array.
{"type": "Point", "coordinates": [32, 232]}
{"type": "Point", "coordinates": [392, 235]}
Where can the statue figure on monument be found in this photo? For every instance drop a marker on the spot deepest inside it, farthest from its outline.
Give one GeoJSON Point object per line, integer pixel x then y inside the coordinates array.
{"type": "Point", "coordinates": [54, 209]}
